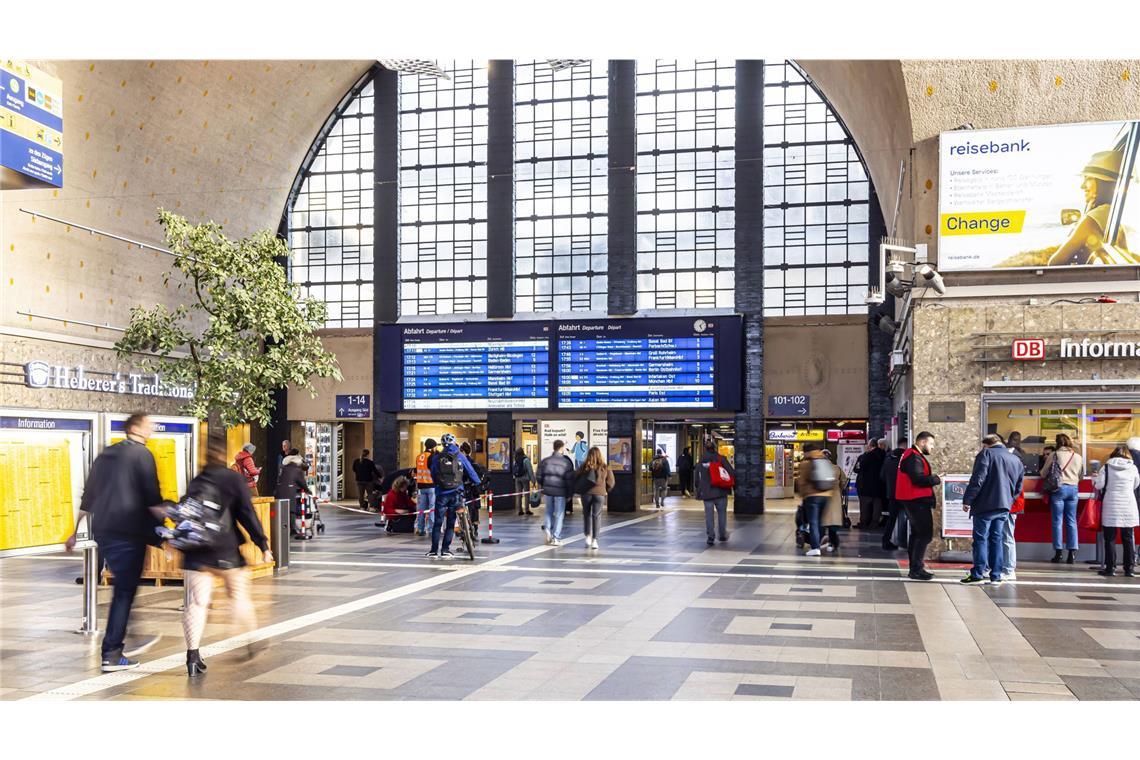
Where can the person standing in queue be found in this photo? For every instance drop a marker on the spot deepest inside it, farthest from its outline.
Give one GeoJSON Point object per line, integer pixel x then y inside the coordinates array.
{"type": "Point", "coordinates": [291, 482]}
{"type": "Point", "coordinates": [447, 470]}
{"type": "Point", "coordinates": [596, 472]}
{"type": "Point", "coordinates": [523, 472]}
{"type": "Point", "coordinates": [555, 475]}
{"type": "Point", "coordinates": [1063, 500]}
{"type": "Point", "coordinates": [914, 491]}
{"type": "Point", "coordinates": [889, 475]}
{"type": "Point", "coordinates": [869, 485]}
{"type": "Point", "coordinates": [223, 487]}
{"type": "Point", "coordinates": [995, 483]}
{"type": "Point", "coordinates": [425, 487]}
{"type": "Point", "coordinates": [123, 505]}
{"type": "Point", "coordinates": [366, 474]}
{"type": "Point", "coordinates": [714, 497]}
{"type": "Point", "coordinates": [685, 472]}
{"type": "Point", "coordinates": [1119, 481]}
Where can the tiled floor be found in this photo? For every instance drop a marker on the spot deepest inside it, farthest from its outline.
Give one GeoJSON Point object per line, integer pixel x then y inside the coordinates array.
{"type": "Point", "coordinates": [655, 614]}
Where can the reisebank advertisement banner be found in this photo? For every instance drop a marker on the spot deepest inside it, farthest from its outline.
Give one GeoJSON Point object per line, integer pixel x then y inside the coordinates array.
{"type": "Point", "coordinates": [1034, 197]}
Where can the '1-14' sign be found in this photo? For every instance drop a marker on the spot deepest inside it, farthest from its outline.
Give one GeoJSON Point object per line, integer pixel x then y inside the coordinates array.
{"type": "Point", "coordinates": [354, 406]}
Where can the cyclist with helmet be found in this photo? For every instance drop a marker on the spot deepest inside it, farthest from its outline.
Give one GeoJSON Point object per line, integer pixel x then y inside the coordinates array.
{"type": "Point", "coordinates": [447, 469]}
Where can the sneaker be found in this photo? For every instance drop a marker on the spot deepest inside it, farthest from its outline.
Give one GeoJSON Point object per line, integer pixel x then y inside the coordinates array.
{"type": "Point", "coordinates": [970, 580]}
{"type": "Point", "coordinates": [546, 533]}
{"type": "Point", "coordinates": [828, 548]}
{"type": "Point", "coordinates": [143, 646]}
{"type": "Point", "coordinates": [812, 553]}
{"type": "Point", "coordinates": [921, 575]}
{"type": "Point", "coordinates": [1010, 576]}
{"type": "Point", "coordinates": [594, 543]}
{"type": "Point", "coordinates": [997, 581]}
{"type": "Point", "coordinates": [1106, 573]}
{"type": "Point", "coordinates": [587, 543]}
{"type": "Point", "coordinates": [431, 555]}
{"type": "Point", "coordinates": [710, 542]}
{"type": "Point", "coordinates": [446, 554]}
{"type": "Point", "coordinates": [1129, 574]}
{"type": "Point", "coordinates": [723, 538]}
{"type": "Point", "coordinates": [555, 542]}
{"type": "Point", "coordinates": [117, 662]}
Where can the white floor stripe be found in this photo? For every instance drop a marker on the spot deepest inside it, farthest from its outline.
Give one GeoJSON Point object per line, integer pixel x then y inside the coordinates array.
{"type": "Point", "coordinates": [111, 680]}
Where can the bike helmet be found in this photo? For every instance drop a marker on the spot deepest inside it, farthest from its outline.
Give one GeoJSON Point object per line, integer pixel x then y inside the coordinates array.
{"type": "Point", "coordinates": [448, 439]}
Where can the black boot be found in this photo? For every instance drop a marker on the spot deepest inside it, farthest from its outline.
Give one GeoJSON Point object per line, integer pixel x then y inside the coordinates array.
{"type": "Point", "coordinates": [1072, 555]}
{"type": "Point", "coordinates": [1056, 556]}
{"type": "Point", "coordinates": [194, 664]}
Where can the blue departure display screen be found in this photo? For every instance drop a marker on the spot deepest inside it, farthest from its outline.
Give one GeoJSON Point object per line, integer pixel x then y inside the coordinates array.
{"type": "Point", "coordinates": [647, 363]}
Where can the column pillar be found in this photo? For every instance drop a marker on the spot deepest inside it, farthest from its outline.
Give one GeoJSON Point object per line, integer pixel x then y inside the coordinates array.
{"type": "Point", "coordinates": [501, 189]}
{"type": "Point", "coordinates": [622, 187]}
{"type": "Point", "coordinates": [385, 253]}
{"type": "Point", "coordinates": [879, 410]}
{"type": "Point", "coordinates": [623, 498]}
{"type": "Point", "coordinates": [502, 425]}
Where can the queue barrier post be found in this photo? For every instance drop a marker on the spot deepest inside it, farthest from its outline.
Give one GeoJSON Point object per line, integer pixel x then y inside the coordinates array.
{"type": "Point", "coordinates": [490, 539]}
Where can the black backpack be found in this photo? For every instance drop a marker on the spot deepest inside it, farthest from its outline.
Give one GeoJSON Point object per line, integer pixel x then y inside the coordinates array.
{"type": "Point", "coordinates": [658, 467]}
{"type": "Point", "coordinates": [202, 522]}
{"type": "Point", "coordinates": [520, 469]}
{"type": "Point", "coordinates": [449, 470]}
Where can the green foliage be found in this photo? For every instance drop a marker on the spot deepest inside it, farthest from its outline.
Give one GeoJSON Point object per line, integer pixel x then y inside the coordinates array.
{"type": "Point", "coordinates": [246, 328]}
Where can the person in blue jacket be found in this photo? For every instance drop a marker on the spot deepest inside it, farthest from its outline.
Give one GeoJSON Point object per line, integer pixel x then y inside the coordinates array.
{"type": "Point", "coordinates": [994, 484]}
{"type": "Point", "coordinates": [447, 469]}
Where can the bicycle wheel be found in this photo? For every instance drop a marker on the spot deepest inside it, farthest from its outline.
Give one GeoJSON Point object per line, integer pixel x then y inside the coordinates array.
{"type": "Point", "coordinates": [465, 533]}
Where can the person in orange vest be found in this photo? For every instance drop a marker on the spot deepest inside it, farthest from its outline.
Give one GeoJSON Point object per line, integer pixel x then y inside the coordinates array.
{"type": "Point", "coordinates": [914, 491]}
{"type": "Point", "coordinates": [425, 487]}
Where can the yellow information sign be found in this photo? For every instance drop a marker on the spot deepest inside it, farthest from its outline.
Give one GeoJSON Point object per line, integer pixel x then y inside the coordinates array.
{"type": "Point", "coordinates": [166, 461]}
{"type": "Point", "coordinates": [36, 507]}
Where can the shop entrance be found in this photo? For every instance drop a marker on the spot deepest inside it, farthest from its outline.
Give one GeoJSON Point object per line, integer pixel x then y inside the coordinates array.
{"type": "Point", "coordinates": [784, 443]}
{"type": "Point", "coordinates": [329, 449]}
{"type": "Point", "coordinates": [673, 437]}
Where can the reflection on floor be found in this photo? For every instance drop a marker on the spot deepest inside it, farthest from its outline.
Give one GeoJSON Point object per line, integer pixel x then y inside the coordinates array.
{"type": "Point", "coordinates": [653, 614]}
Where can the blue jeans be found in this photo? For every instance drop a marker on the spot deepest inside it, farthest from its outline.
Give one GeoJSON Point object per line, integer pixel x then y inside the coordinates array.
{"type": "Point", "coordinates": [555, 511]}
{"type": "Point", "coordinates": [125, 560]}
{"type": "Point", "coordinates": [445, 506]}
{"type": "Point", "coordinates": [1009, 546]}
{"type": "Point", "coordinates": [1063, 503]}
{"type": "Point", "coordinates": [989, 536]}
{"type": "Point", "coordinates": [425, 505]}
{"type": "Point", "coordinates": [813, 510]}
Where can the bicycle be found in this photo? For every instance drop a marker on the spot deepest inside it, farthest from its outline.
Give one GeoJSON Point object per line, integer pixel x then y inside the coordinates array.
{"type": "Point", "coordinates": [465, 530]}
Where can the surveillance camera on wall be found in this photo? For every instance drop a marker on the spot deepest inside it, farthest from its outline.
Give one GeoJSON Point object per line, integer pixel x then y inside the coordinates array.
{"type": "Point", "coordinates": [932, 278]}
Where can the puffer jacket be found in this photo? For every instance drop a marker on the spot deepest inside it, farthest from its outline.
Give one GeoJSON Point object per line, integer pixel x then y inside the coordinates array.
{"type": "Point", "coordinates": [1119, 479]}
{"type": "Point", "coordinates": [556, 475]}
{"type": "Point", "coordinates": [244, 466]}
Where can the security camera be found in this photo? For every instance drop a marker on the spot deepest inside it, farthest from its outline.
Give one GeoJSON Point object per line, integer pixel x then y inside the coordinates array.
{"type": "Point", "coordinates": [933, 279]}
{"type": "Point", "coordinates": [885, 323]}
{"type": "Point", "coordinates": [893, 281]}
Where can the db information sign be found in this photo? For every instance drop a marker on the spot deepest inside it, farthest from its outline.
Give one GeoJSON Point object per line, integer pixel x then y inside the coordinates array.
{"type": "Point", "coordinates": [354, 407]}
{"type": "Point", "coordinates": [955, 522]}
{"type": "Point", "coordinates": [789, 406]}
{"type": "Point", "coordinates": [1029, 350]}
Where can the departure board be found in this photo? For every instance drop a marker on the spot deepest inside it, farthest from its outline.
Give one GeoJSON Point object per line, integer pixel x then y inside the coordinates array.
{"type": "Point", "coordinates": [473, 367]}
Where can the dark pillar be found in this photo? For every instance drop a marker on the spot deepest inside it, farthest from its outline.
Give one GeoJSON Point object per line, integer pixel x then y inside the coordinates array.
{"type": "Point", "coordinates": [622, 185]}
{"type": "Point", "coordinates": [501, 189]}
{"type": "Point", "coordinates": [624, 496]}
{"type": "Point", "coordinates": [749, 444]}
{"type": "Point", "coordinates": [878, 342]}
{"type": "Point", "coordinates": [502, 425]}
{"type": "Point", "coordinates": [385, 254]}
{"type": "Point", "coordinates": [278, 428]}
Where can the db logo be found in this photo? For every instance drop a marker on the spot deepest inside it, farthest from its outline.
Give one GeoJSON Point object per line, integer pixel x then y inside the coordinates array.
{"type": "Point", "coordinates": [1029, 349]}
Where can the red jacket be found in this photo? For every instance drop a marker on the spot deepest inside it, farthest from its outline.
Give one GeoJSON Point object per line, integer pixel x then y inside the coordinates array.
{"type": "Point", "coordinates": [396, 502]}
{"type": "Point", "coordinates": [244, 466]}
{"type": "Point", "coordinates": [915, 481]}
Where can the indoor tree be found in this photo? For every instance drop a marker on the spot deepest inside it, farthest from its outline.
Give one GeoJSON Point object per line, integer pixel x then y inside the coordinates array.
{"type": "Point", "coordinates": [244, 332]}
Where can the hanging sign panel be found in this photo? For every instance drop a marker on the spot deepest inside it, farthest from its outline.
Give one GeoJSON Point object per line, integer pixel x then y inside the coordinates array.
{"type": "Point", "coordinates": [31, 122]}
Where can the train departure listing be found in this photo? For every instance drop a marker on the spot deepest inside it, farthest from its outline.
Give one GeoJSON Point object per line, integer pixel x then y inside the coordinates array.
{"type": "Point", "coordinates": [477, 375]}
{"type": "Point", "coordinates": [637, 372]}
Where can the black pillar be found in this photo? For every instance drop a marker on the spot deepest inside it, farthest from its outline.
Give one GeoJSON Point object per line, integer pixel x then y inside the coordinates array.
{"type": "Point", "coordinates": [622, 186]}
{"type": "Point", "coordinates": [879, 409]}
{"type": "Point", "coordinates": [385, 254]}
{"type": "Point", "coordinates": [749, 443]}
{"type": "Point", "coordinates": [501, 189]}
{"type": "Point", "coordinates": [502, 425]}
{"type": "Point", "coordinates": [624, 496]}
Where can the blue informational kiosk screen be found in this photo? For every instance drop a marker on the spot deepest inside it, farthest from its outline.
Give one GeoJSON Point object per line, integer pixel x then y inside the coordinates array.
{"type": "Point", "coordinates": [639, 363]}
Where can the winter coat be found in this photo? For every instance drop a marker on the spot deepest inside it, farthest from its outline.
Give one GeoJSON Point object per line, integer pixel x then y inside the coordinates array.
{"type": "Point", "coordinates": [292, 479]}
{"type": "Point", "coordinates": [1071, 465]}
{"type": "Point", "coordinates": [806, 487]}
{"type": "Point", "coordinates": [234, 497]}
{"type": "Point", "coordinates": [890, 471]}
{"type": "Point", "coordinates": [916, 467]}
{"type": "Point", "coordinates": [244, 466]}
{"type": "Point", "coordinates": [995, 481]}
{"type": "Point", "coordinates": [870, 471]}
{"type": "Point", "coordinates": [659, 468]}
{"type": "Point", "coordinates": [365, 471]}
{"type": "Point", "coordinates": [604, 482]}
{"type": "Point", "coordinates": [1119, 479]}
{"type": "Point", "coordinates": [702, 485]}
{"type": "Point", "coordinates": [556, 475]}
{"type": "Point", "coordinates": [685, 464]}
{"type": "Point", "coordinates": [121, 488]}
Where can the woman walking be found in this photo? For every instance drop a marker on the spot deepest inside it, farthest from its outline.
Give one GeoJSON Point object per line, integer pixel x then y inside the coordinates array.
{"type": "Point", "coordinates": [227, 492]}
{"type": "Point", "coordinates": [1063, 501]}
{"type": "Point", "coordinates": [1119, 480]}
{"type": "Point", "coordinates": [595, 471]}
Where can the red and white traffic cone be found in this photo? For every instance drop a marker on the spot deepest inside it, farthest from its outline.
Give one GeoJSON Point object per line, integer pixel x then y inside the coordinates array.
{"type": "Point", "coordinates": [490, 539]}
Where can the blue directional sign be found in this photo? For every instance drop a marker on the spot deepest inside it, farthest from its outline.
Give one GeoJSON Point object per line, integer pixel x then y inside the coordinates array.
{"type": "Point", "coordinates": [790, 405]}
{"type": "Point", "coordinates": [31, 122]}
{"type": "Point", "coordinates": [354, 407]}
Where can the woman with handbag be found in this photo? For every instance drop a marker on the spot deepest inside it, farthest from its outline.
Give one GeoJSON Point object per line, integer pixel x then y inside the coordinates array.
{"type": "Point", "coordinates": [1117, 481]}
{"type": "Point", "coordinates": [225, 490]}
{"type": "Point", "coordinates": [1062, 474]}
{"type": "Point", "coordinates": [593, 482]}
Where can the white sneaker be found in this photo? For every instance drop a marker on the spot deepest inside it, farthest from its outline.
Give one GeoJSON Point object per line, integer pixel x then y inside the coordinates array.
{"type": "Point", "coordinates": [555, 542]}
{"type": "Point", "coordinates": [587, 543]}
{"type": "Point", "coordinates": [812, 553]}
{"type": "Point", "coordinates": [546, 533]}
{"type": "Point", "coordinates": [1010, 576]}
{"type": "Point", "coordinates": [828, 548]}
{"type": "Point", "coordinates": [593, 543]}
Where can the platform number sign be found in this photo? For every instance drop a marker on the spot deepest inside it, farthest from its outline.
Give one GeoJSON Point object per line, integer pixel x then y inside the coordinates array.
{"type": "Point", "coordinates": [789, 406]}
{"type": "Point", "coordinates": [354, 407]}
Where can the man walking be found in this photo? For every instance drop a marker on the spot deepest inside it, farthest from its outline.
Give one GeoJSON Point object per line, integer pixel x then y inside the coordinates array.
{"type": "Point", "coordinates": [366, 474]}
{"type": "Point", "coordinates": [994, 483]}
{"type": "Point", "coordinates": [914, 491]}
{"type": "Point", "coordinates": [425, 489]}
{"type": "Point", "coordinates": [447, 469]}
{"type": "Point", "coordinates": [714, 497]}
{"type": "Point", "coordinates": [659, 469]}
{"type": "Point", "coordinates": [555, 475]}
{"type": "Point", "coordinates": [124, 505]}
{"type": "Point", "coordinates": [685, 471]}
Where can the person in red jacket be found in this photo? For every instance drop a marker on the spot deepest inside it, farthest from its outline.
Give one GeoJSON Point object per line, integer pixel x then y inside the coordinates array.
{"type": "Point", "coordinates": [244, 466]}
{"type": "Point", "coordinates": [914, 491]}
{"type": "Point", "coordinates": [399, 507]}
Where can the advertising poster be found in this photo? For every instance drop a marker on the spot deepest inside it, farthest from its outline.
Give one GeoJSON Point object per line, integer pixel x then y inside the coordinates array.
{"type": "Point", "coordinates": [1034, 197]}
{"type": "Point", "coordinates": [620, 454]}
{"type": "Point", "coordinates": [559, 430]}
{"type": "Point", "coordinates": [955, 522]}
{"type": "Point", "coordinates": [498, 454]}
{"type": "Point", "coordinates": [848, 454]}
{"type": "Point", "coordinates": [599, 433]}
{"type": "Point", "coordinates": [667, 442]}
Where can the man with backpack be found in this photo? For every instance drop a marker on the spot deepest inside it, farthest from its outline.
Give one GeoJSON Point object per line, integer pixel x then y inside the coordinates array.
{"type": "Point", "coordinates": [447, 469]}
{"type": "Point", "coordinates": [124, 505]}
{"type": "Point", "coordinates": [523, 472]}
{"type": "Point", "coordinates": [659, 469]}
{"type": "Point", "coordinates": [715, 479]}
{"type": "Point", "coordinates": [818, 478]}
{"type": "Point", "coordinates": [555, 477]}
{"type": "Point", "coordinates": [914, 491]}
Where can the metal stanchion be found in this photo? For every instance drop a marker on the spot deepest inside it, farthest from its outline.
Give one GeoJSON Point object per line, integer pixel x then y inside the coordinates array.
{"type": "Point", "coordinates": [490, 539]}
{"type": "Point", "coordinates": [281, 534]}
{"type": "Point", "coordinates": [90, 587]}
